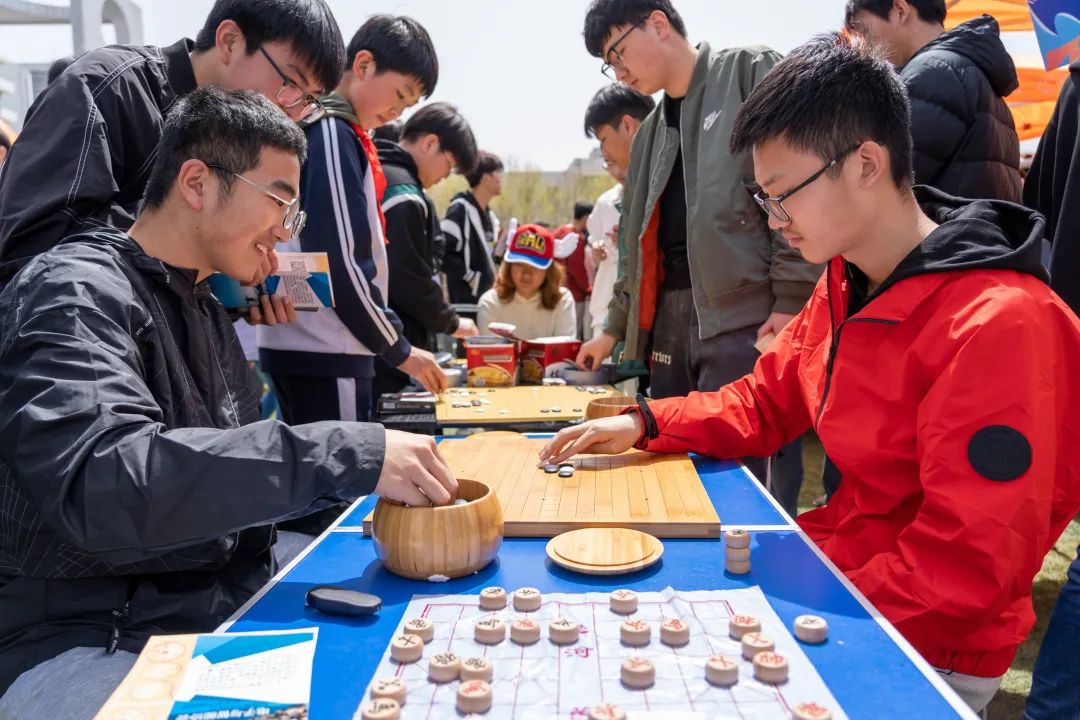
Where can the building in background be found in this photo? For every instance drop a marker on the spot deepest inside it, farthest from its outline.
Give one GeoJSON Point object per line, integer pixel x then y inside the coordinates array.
{"type": "Point", "coordinates": [20, 83]}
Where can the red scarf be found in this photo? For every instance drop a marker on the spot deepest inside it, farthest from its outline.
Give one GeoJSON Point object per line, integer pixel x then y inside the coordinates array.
{"type": "Point", "coordinates": [377, 173]}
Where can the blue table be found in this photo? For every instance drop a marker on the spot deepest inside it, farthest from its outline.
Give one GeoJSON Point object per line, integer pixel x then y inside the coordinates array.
{"type": "Point", "coordinates": [870, 669]}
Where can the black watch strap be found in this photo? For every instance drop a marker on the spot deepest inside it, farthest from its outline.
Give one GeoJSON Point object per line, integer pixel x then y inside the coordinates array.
{"type": "Point", "coordinates": [648, 420]}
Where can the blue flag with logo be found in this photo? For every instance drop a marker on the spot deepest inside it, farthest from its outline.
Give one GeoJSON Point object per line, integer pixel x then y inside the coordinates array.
{"type": "Point", "coordinates": [1057, 25]}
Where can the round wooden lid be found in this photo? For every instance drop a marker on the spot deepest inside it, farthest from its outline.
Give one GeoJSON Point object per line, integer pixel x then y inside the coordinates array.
{"type": "Point", "coordinates": [604, 551]}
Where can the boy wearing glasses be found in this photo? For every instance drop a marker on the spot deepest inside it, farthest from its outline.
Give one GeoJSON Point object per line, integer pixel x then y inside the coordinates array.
{"type": "Point", "coordinates": [140, 490]}
{"type": "Point", "coordinates": [323, 367]}
{"type": "Point", "coordinates": [84, 155]}
{"type": "Point", "coordinates": [435, 142]}
{"type": "Point", "coordinates": [703, 279]}
{"type": "Point", "coordinates": [932, 360]}
{"type": "Point", "coordinates": [698, 248]}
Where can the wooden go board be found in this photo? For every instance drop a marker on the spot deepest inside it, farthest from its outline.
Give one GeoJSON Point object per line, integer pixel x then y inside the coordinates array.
{"type": "Point", "coordinates": [523, 404]}
{"type": "Point", "coordinates": [658, 494]}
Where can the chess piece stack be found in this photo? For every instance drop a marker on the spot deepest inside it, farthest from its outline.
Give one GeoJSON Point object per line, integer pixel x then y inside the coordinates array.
{"type": "Point", "coordinates": [737, 552]}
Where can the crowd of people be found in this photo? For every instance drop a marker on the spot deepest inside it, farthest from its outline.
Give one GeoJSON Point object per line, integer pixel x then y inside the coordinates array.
{"type": "Point", "coordinates": [839, 240]}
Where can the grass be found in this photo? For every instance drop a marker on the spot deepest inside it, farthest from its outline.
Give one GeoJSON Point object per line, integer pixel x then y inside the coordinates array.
{"type": "Point", "coordinates": [1008, 704]}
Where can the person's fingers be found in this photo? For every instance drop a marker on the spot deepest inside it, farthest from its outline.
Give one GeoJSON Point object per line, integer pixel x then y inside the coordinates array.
{"type": "Point", "coordinates": [582, 357]}
{"type": "Point", "coordinates": [427, 379]}
{"type": "Point", "coordinates": [442, 472]}
{"type": "Point", "coordinates": [560, 440]}
{"type": "Point", "coordinates": [579, 445]}
{"type": "Point", "coordinates": [290, 309]}
{"type": "Point", "coordinates": [267, 309]}
{"type": "Point", "coordinates": [764, 329]}
{"type": "Point", "coordinates": [594, 362]}
{"type": "Point", "coordinates": [253, 316]}
{"type": "Point", "coordinates": [281, 311]}
{"type": "Point", "coordinates": [432, 384]}
{"type": "Point", "coordinates": [435, 491]}
{"type": "Point", "coordinates": [410, 494]}
{"type": "Point", "coordinates": [436, 480]}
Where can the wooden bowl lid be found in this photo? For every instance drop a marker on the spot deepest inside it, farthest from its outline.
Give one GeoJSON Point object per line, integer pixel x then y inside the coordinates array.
{"type": "Point", "coordinates": [604, 551]}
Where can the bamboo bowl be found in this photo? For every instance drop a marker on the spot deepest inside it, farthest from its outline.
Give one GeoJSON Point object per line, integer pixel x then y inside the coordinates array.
{"type": "Point", "coordinates": [450, 541]}
{"type": "Point", "coordinates": [608, 406]}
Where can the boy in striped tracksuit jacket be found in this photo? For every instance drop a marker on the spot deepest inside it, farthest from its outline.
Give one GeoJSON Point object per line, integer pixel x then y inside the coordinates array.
{"type": "Point", "coordinates": [322, 365]}
{"type": "Point", "coordinates": [471, 230]}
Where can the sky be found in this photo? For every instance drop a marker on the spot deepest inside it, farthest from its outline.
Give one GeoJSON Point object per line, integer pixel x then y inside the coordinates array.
{"type": "Point", "coordinates": [518, 69]}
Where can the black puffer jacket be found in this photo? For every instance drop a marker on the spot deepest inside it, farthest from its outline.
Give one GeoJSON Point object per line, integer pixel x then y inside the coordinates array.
{"type": "Point", "coordinates": [136, 495]}
{"type": "Point", "coordinates": [964, 135]}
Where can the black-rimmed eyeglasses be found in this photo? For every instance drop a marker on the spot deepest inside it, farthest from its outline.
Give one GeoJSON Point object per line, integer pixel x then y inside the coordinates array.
{"type": "Point", "coordinates": [615, 61]}
{"type": "Point", "coordinates": [775, 205]}
{"type": "Point", "coordinates": [290, 96]}
{"type": "Point", "coordinates": [294, 219]}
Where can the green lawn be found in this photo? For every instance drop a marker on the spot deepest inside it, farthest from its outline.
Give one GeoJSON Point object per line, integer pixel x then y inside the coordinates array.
{"type": "Point", "coordinates": [1009, 702]}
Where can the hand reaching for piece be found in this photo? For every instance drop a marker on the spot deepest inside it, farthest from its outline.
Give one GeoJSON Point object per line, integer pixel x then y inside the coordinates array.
{"type": "Point", "coordinates": [595, 352]}
{"type": "Point", "coordinates": [466, 328]}
{"type": "Point", "coordinates": [421, 365]}
{"type": "Point", "coordinates": [607, 436]}
{"type": "Point", "coordinates": [414, 473]}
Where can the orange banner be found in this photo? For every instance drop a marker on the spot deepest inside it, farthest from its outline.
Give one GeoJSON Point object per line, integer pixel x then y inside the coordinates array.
{"type": "Point", "coordinates": [1012, 15]}
{"type": "Point", "coordinates": [1038, 85]}
{"type": "Point", "coordinates": [1033, 102]}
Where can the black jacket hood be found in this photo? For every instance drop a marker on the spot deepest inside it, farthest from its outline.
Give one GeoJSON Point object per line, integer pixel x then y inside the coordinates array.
{"type": "Point", "coordinates": [979, 40]}
{"type": "Point", "coordinates": [980, 235]}
{"type": "Point", "coordinates": [393, 156]}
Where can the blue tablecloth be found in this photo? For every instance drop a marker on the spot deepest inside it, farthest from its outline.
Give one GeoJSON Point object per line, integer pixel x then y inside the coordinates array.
{"type": "Point", "coordinates": [869, 669]}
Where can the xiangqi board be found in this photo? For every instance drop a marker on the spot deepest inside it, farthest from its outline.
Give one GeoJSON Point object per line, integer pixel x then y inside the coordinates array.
{"type": "Point", "coordinates": [548, 680]}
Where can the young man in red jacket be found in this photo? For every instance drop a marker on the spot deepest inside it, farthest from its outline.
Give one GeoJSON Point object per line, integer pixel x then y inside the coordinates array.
{"type": "Point", "coordinates": [932, 360]}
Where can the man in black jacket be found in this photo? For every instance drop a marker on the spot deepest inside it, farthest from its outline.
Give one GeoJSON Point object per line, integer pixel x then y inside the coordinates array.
{"type": "Point", "coordinates": [436, 141]}
{"type": "Point", "coordinates": [138, 492]}
{"type": "Point", "coordinates": [963, 132]}
{"type": "Point", "coordinates": [84, 155]}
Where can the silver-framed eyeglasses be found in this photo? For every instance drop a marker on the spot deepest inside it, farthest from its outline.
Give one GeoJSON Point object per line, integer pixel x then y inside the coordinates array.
{"type": "Point", "coordinates": [775, 205]}
{"type": "Point", "coordinates": [615, 61]}
{"type": "Point", "coordinates": [290, 96]}
{"type": "Point", "coordinates": [294, 219]}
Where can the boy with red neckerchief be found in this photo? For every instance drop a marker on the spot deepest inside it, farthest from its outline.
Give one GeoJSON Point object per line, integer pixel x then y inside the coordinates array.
{"type": "Point", "coordinates": [323, 367]}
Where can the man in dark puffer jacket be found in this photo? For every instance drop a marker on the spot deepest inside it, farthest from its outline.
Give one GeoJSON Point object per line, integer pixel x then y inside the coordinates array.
{"type": "Point", "coordinates": [964, 136]}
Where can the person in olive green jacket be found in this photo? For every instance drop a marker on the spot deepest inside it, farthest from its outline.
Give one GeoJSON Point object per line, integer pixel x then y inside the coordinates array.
{"type": "Point", "coordinates": [703, 279]}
